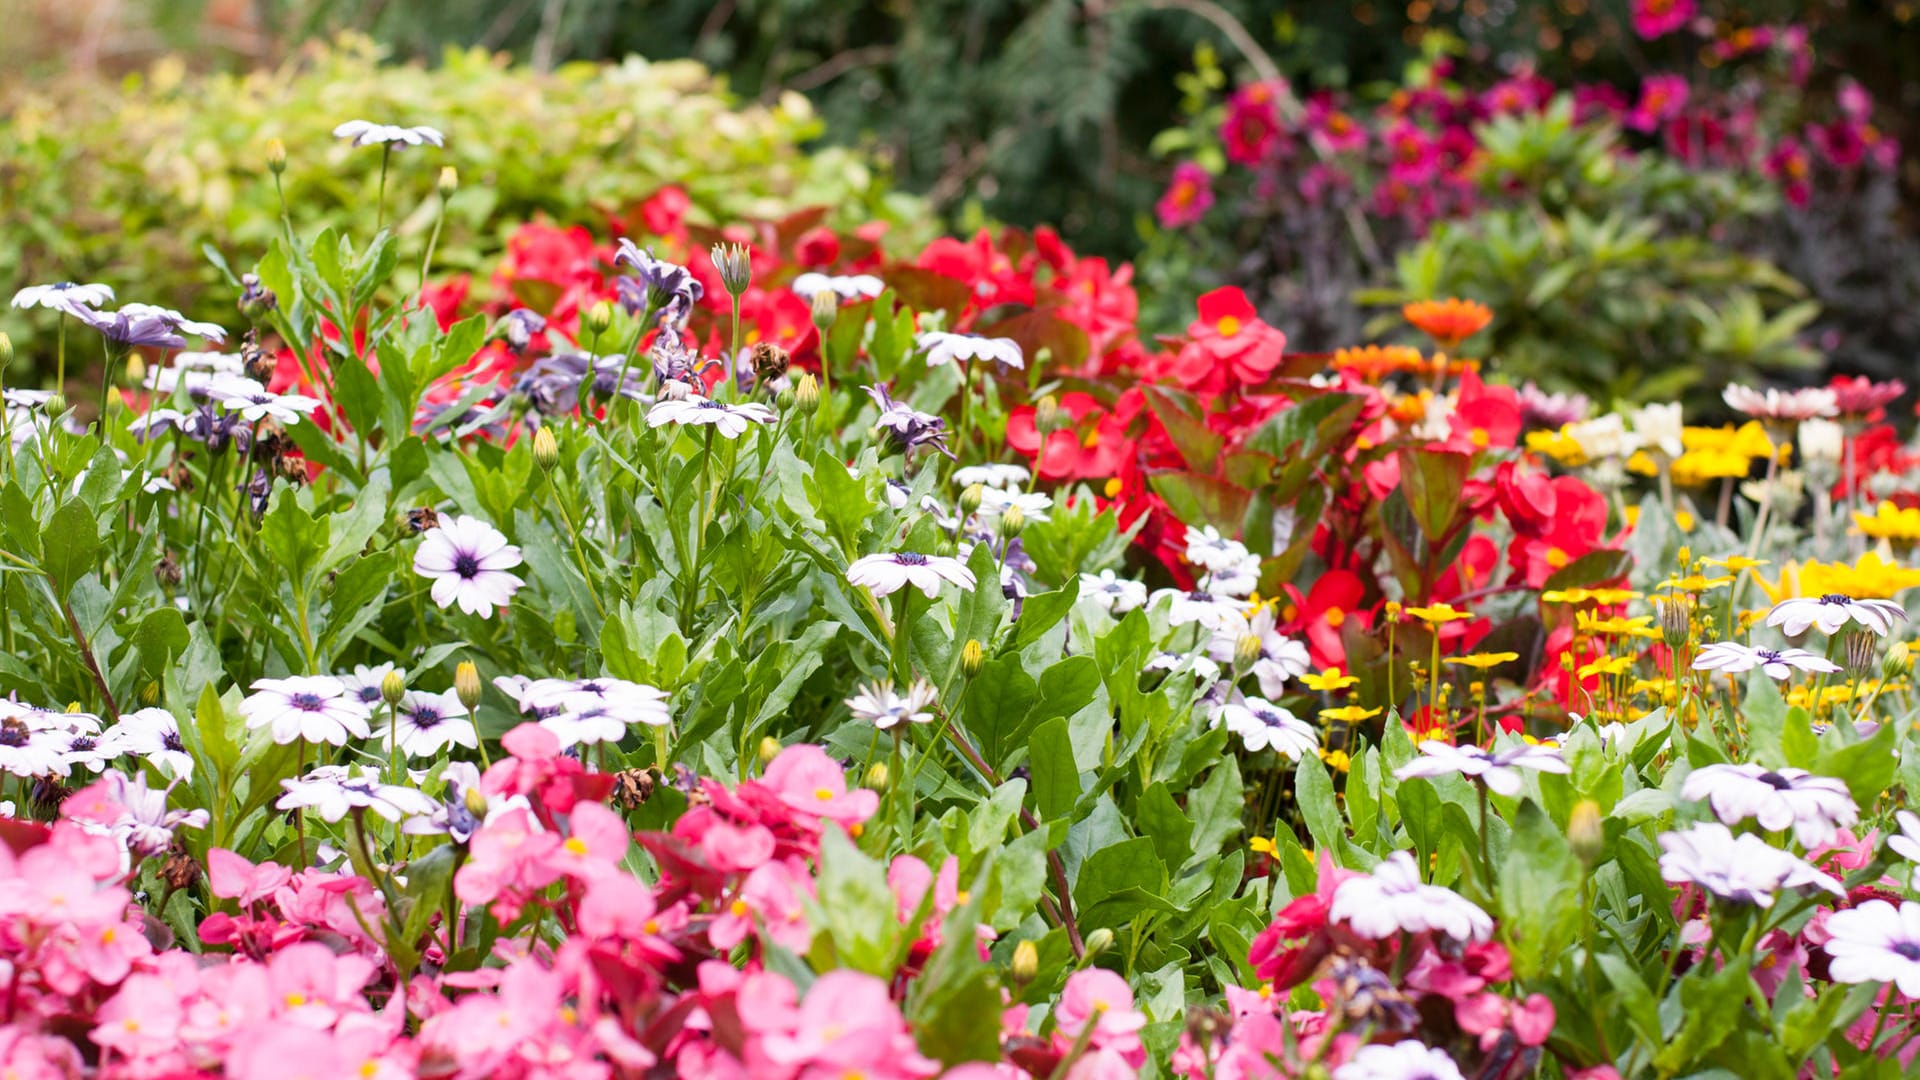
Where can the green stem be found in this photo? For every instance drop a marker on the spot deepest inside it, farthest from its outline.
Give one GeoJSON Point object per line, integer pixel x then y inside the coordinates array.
{"type": "Point", "coordinates": [380, 218]}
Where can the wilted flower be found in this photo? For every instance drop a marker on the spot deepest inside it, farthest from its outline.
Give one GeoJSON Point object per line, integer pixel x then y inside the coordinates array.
{"type": "Point", "coordinates": [1815, 807]}
{"type": "Point", "coordinates": [1743, 869]}
{"type": "Point", "coordinates": [885, 574]}
{"type": "Point", "coordinates": [368, 133]}
{"type": "Point", "coordinates": [468, 561]}
{"type": "Point", "coordinates": [1733, 658]}
{"type": "Point", "coordinates": [667, 289]}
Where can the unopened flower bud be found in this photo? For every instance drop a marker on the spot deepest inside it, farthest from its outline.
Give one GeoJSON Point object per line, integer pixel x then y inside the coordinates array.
{"type": "Point", "coordinates": [1098, 942]}
{"type": "Point", "coordinates": [600, 317]}
{"type": "Point", "coordinates": [973, 657]}
{"type": "Point", "coordinates": [769, 749]}
{"type": "Point", "coordinates": [947, 548]}
{"type": "Point", "coordinates": [57, 405]}
{"type": "Point", "coordinates": [970, 499]}
{"type": "Point", "coordinates": [1684, 556]}
{"type": "Point", "coordinates": [466, 684]}
{"type": "Point", "coordinates": [449, 180]}
{"type": "Point", "coordinates": [150, 693]}
{"type": "Point", "coordinates": [546, 449]}
{"type": "Point", "coordinates": [826, 308]}
{"type": "Point", "coordinates": [6, 352]}
{"type": "Point", "coordinates": [806, 393]}
{"type": "Point", "coordinates": [1585, 833]}
{"type": "Point", "coordinates": [1245, 651]}
{"type": "Point", "coordinates": [476, 802]}
{"type": "Point", "coordinates": [276, 156]}
{"type": "Point", "coordinates": [1026, 963]}
{"type": "Point", "coordinates": [1676, 621]}
{"type": "Point", "coordinates": [393, 687]}
{"type": "Point", "coordinates": [1046, 415]}
{"type": "Point", "coordinates": [1012, 520]}
{"type": "Point", "coordinates": [785, 399]}
{"type": "Point", "coordinates": [1862, 653]}
{"type": "Point", "coordinates": [1898, 661]}
{"type": "Point", "coordinates": [136, 368]}
{"type": "Point", "coordinates": [735, 267]}
{"type": "Point", "coordinates": [876, 777]}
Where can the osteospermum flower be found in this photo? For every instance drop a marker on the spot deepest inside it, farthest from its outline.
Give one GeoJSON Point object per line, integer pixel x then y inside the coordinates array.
{"type": "Point", "coordinates": [886, 574]}
{"type": "Point", "coordinates": [1876, 942]}
{"type": "Point", "coordinates": [1404, 1060]}
{"type": "Point", "coordinates": [1448, 321]}
{"type": "Point", "coordinates": [667, 288]}
{"type": "Point", "coordinates": [334, 791]}
{"type": "Point", "coordinates": [30, 752]}
{"type": "Point", "coordinates": [844, 286]}
{"type": "Point", "coordinates": [1277, 657]}
{"type": "Point", "coordinates": [995, 475]}
{"type": "Point", "coordinates": [880, 705]}
{"type": "Point", "coordinates": [151, 735]}
{"type": "Point", "coordinates": [368, 133]}
{"type": "Point", "coordinates": [1114, 593]}
{"type": "Point", "coordinates": [306, 708]}
{"type": "Point", "coordinates": [1815, 807]}
{"type": "Point", "coordinates": [1832, 611]}
{"type": "Point", "coordinates": [1743, 869]}
{"type": "Point", "coordinates": [1732, 657]}
{"type": "Point", "coordinates": [729, 420]}
{"type": "Point", "coordinates": [468, 561]}
{"type": "Point", "coordinates": [947, 348]}
{"type": "Point", "coordinates": [132, 330]}
{"type": "Point", "coordinates": [254, 402]}
{"type": "Point", "coordinates": [63, 296]}
{"type": "Point", "coordinates": [1393, 900]}
{"type": "Point", "coordinates": [1499, 771]}
{"type": "Point", "coordinates": [428, 723]}
{"type": "Point", "coordinates": [1262, 725]}
{"type": "Point", "coordinates": [1781, 405]}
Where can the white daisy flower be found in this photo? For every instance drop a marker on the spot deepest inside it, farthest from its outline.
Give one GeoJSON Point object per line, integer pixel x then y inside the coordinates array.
{"type": "Point", "coordinates": [308, 708]}
{"type": "Point", "coordinates": [1196, 606]}
{"type": "Point", "coordinates": [83, 751]}
{"type": "Point", "coordinates": [152, 735]}
{"type": "Point", "coordinates": [994, 502]}
{"type": "Point", "coordinates": [1499, 771]}
{"type": "Point", "coordinates": [879, 705]}
{"type": "Point", "coordinates": [63, 296]}
{"type": "Point", "coordinates": [1876, 942]}
{"type": "Point", "coordinates": [1393, 900]}
{"type": "Point", "coordinates": [991, 476]}
{"type": "Point", "coordinates": [1112, 592]}
{"type": "Point", "coordinates": [1281, 657]}
{"type": "Point", "coordinates": [617, 700]}
{"type": "Point", "coordinates": [239, 394]}
{"type": "Point", "coordinates": [845, 286]}
{"type": "Point", "coordinates": [1237, 581]}
{"type": "Point", "coordinates": [730, 420]}
{"type": "Point", "coordinates": [1776, 404]}
{"type": "Point", "coordinates": [468, 560]}
{"type": "Point", "coordinates": [885, 574]}
{"type": "Point", "coordinates": [1263, 725]}
{"type": "Point", "coordinates": [368, 133]}
{"type": "Point", "coordinates": [211, 331]}
{"type": "Point", "coordinates": [1833, 611]}
{"type": "Point", "coordinates": [145, 825]}
{"type": "Point", "coordinates": [1210, 551]}
{"type": "Point", "coordinates": [1201, 668]}
{"type": "Point", "coordinates": [1744, 869]}
{"type": "Point", "coordinates": [334, 791]}
{"type": "Point", "coordinates": [365, 683]}
{"type": "Point", "coordinates": [428, 723]}
{"type": "Point", "coordinates": [1906, 843]}
{"type": "Point", "coordinates": [1660, 426]}
{"type": "Point", "coordinates": [1815, 807]}
{"type": "Point", "coordinates": [1732, 657]}
{"type": "Point", "coordinates": [29, 751]}
{"type": "Point", "coordinates": [947, 348]}
{"type": "Point", "coordinates": [1404, 1060]}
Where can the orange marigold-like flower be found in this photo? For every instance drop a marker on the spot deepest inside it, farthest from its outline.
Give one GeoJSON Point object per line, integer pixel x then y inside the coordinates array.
{"type": "Point", "coordinates": [1449, 321]}
{"type": "Point", "coordinates": [1375, 362]}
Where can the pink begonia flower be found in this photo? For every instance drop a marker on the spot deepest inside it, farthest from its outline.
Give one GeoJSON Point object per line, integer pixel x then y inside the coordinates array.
{"type": "Point", "coordinates": [232, 998]}
{"type": "Point", "coordinates": [1103, 998]}
{"type": "Point", "coordinates": [1100, 1063]}
{"type": "Point", "coordinates": [847, 1023]}
{"type": "Point", "coordinates": [484, 1031]}
{"type": "Point", "coordinates": [271, 1051]}
{"type": "Point", "coordinates": [599, 840]}
{"type": "Point", "coordinates": [312, 986]}
{"type": "Point", "coordinates": [772, 895]}
{"type": "Point", "coordinates": [810, 782]}
{"type": "Point", "coordinates": [142, 1020]}
{"type": "Point", "coordinates": [509, 852]}
{"type": "Point", "coordinates": [31, 1055]}
{"type": "Point", "coordinates": [909, 878]}
{"type": "Point", "coordinates": [232, 877]}
{"type": "Point", "coordinates": [730, 848]}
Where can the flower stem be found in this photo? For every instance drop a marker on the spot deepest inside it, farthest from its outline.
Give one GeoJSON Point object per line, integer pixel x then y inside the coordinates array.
{"type": "Point", "coordinates": [380, 216]}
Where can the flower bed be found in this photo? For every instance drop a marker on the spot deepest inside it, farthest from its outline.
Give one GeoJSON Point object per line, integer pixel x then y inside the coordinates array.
{"type": "Point", "coordinates": [755, 652]}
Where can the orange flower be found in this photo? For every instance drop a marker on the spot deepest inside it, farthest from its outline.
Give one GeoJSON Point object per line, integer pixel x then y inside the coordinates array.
{"type": "Point", "coordinates": [1448, 321]}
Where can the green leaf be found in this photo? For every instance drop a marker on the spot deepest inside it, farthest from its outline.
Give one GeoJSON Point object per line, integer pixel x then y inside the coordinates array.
{"type": "Point", "coordinates": [1867, 766]}
{"type": "Point", "coordinates": [71, 546]}
{"type": "Point", "coordinates": [855, 906]}
{"type": "Point", "coordinates": [1433, 481]}
{"type": "Point", "coordinates": [1539, 895]}
{"type": "Point", "coordinates": [1119, 881]}
{"type": "Point", "coordinates": [357, 393]}
{"type": "Point", "coordinates": [1711, 1005]}
{"type": "Point", "coordinates": [1594, 568]}
{"type": "Point", "coordinates": [1313, 789]}
{"type": "Point", "coordinates": [1215, 808]}
{"type": "Point", "coordinates": [1185, 420]}
{"type": "Point", "coordinates": [997, 708]}
{"type": "Point", "coordinates": [1056, 779]}
{"type": "Point", "coordinates": [1166, 824]}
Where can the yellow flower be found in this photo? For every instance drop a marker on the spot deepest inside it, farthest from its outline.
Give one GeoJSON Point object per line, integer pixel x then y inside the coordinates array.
{"type": "Point", "coordinates": [1589, 596]}
{"type": "Point", "coordinates": [1632, 515]}
{"type": "Point", "coordinates": [1640, 626]}
{"type": "Point", "coordinates": [1557, 445]}
{"type": "Point", "coordinates": [1439, 613]}
{"type": "Point", "coordinates": [1699, 466]}
{"type": "Point", "coordinates": [1348, 714]}
{"type": "Point", "coordinates": [1264, 846]}
{"type": "Point", "coordinates": [1336, 760]}
{"type": "Point", "coordinates": [1483, 661]}
{"type": "Point", "coordinates": [1872, 578]}
{"type": "Point", "coordinates": [1736, 563]}
{"type": "Point", "coordinates": [1606, 666]}
{"type": "Point", "coordinates": [1684, 519]}
{"type": "Point", "coordinates": [1330, 679]}
{"type": "Point", "coordinates": [1642, 462]}
{"type": "Point", "coordinates": [1695, 583]}
{"type": "Point", "coordinates": [1890, 522]}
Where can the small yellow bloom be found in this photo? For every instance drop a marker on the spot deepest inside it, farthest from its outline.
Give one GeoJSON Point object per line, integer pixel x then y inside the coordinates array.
{"type": "Point", "coordinates": [1439, 613]}
{"type": "Point", "coordinates": [1684, 519]}
{"type": "Point", "coordinates": [1872, 578]}
{"type": "Point", "coordinates": [1330, 679]}
{"type": "Point", "coordinates": [1558, 445]}
{"type": "Point", "coordinates": [1640, 626]}
{"type": "Point", "coordinates": [1695, 583]}
{"type": "Point", "coordinates": [1606, 666]}
{"type": "Point", "coordinates": [1736, 563]}
{"type": "Point", "coordinates": [1890, 522]}
{"type": "Point", "coordinates": [1336, 760]}
{"type": "Point", "coordinates": [1483, 661]}
{"type": "Point", "coordinates": [1263, 846]}
{"type": "Point", "coordinates": [1642, 462]}
{"type": "Point", "coordinates": [1348, 714]}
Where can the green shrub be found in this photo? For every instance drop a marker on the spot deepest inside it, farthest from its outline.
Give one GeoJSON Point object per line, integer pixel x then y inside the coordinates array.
{"type": "Point", "coordinates": [124, 184]}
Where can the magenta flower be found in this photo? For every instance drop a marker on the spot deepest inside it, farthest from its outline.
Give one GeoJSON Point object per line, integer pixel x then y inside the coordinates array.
{"type": "Point", "coordinates": [846, 1025]}
{"type": "Point", "coordinates": [1188, 196]}
{"type": "Point", "coordinates": [1658, 18]}
{"type": "Point", "coordinates": [1662, 97]}
{"type": "Point", "coordinates": [1099, 997]}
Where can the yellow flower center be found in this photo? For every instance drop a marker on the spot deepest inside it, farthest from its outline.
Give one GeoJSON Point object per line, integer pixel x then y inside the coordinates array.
{"type": "Point", "coordinates": [823, 794]}
{"type": "Point", "coordinates": [1227, 326]}
{"type": "Point", "coordinates": [1336, 617]}
{"type": "Point", "coordinates": [575, 846]}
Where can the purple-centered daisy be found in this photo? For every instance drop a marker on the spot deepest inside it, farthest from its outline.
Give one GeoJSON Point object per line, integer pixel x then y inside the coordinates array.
{"type": "Point", "coordinates": [306, 708]}
{"type": "Point", "coordinates": [468, 561]}
{"type": "Point", "coordinates": [885, 574]}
